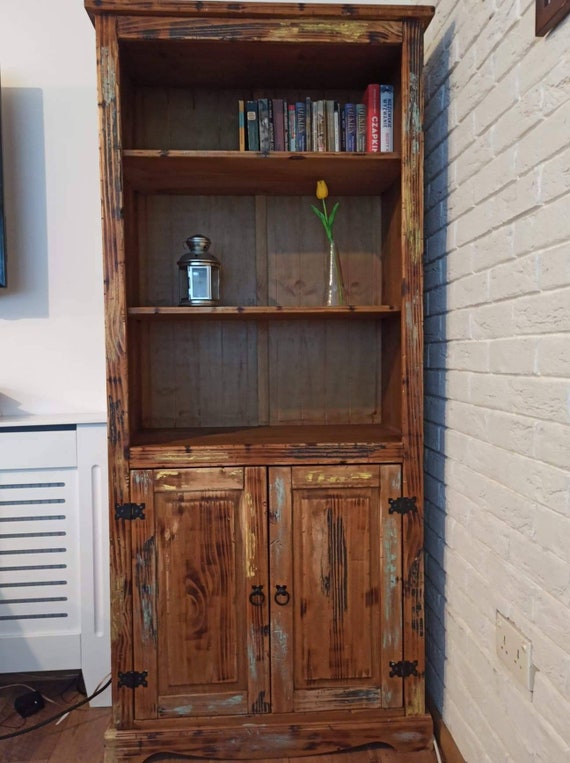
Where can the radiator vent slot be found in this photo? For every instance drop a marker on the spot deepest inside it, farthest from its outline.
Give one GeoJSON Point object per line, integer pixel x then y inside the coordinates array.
{"type": "Point", "coordinates": [39, 574]}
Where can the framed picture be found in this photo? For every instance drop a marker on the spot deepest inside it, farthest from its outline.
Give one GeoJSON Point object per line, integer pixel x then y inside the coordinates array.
{"type": "Point", "coordinates": [2, 219]}
{"type": "Point", "coordinates": [549, 13]}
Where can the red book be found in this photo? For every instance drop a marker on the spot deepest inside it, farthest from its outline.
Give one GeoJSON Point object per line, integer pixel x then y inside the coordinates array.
{"type": "Point", "coordinates": [371, 100]}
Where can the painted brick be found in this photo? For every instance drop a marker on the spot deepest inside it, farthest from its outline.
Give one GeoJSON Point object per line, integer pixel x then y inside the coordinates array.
{"type": "Point", "coordinates": [514, 278]}
{"type": "Point", "coordinates": [553, 355]}
{"type": "Point", "coordinates": [552, 531]}
{"type": "Point", "coordinates": [552, 444]}
{"type": "Point", "coordinates": [493, 247]}
{"type": "Point", "coordinates": [498, 343]}
{"type": "Point", "coordinates": [554, 266]}
{"type": "Point", "coordinates": [513, 356]}
{"type": "Point", "coordinates": [545, 313]}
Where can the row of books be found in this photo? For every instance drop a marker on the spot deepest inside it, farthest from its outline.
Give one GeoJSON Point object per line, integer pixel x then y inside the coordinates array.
{"type": "Point", "coordinates": [274, 124]}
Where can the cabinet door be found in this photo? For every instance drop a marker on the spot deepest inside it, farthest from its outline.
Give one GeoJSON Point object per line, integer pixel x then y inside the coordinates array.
{"type": "Point", "coordinates": [200, 578]}
{"type": "Point", "coordinates": [338, 624]}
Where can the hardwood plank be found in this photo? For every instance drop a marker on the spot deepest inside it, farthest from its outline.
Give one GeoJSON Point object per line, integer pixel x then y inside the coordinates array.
{"type": "Point", "coordinates": [233, 173]}
{"type": "Point", "coordinates": [412, 360]}
{"type": "Point", "coordinates": [109, 94]}
{"type": "Point", "coordinates": [176, 7]}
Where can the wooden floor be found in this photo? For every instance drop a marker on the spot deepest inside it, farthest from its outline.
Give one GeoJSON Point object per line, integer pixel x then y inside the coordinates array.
{"type": "Point", "coordinates": [79, 738]}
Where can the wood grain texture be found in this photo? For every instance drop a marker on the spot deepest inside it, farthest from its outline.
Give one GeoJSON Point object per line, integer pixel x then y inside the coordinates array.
{"type": "Point", "coordinates": [269, 630]}
{"type": "Point", "coordinates": [116, 351]}
{"type": "Point", "coordinates": [263, 10]}
{"type": "Point", "coordinates": [412, 357]}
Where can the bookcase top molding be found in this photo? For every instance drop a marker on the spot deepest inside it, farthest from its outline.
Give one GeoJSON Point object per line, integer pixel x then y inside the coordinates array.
{"type": "Point", "coordinates": [423, 13]}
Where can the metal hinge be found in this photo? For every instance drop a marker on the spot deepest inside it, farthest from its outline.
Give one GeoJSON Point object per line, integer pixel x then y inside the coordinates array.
{"type": "Point", "coordinates": [132, 679]}
{"type": "Point", "coordinates": [403, 669]}
{"type": "Point", "coordinates": [129, 511]}
{"type": "Point", "coordinates": [402, 505]}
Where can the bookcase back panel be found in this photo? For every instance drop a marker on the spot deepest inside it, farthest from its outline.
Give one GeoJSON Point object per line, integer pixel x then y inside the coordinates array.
{"type": "Point", "coordinates": [325, 372]}
{"type": "Point", "coordinates": [298, 247]}
{"type": "Point", "coordinates": [219, 374]}
{"type": "Point", "coordinates": [272, 250]}
{"type": "Point", "coordinates": [197, 119]}
{"type": "Point", "coordinates": [213, 64]}
{"type": "Point", "coordinates": [200, 374]}
{"type": "Point", "coordinates": [186, 118]}
{"type": "Point", "coordinates": [165, 222]}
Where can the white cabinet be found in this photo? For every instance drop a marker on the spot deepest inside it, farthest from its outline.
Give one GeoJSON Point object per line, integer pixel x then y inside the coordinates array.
{"type": "Point", "coordinates": [54, 590]}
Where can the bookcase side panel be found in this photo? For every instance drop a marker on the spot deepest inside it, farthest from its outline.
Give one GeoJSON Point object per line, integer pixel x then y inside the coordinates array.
{"type": "Point", "coordinates": [412, 359]}
{"type": "Point", "coordinates": [108, 69]}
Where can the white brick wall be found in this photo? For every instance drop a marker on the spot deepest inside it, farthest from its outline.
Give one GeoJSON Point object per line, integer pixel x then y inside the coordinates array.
{"type": "Point", "coordinates": [497, 279]}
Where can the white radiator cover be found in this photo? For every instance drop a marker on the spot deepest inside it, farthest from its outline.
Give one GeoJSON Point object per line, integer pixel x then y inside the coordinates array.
{"type": "Point", "coordinates": [54, 590]}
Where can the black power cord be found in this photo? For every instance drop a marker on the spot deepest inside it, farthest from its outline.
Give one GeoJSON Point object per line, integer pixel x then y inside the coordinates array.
{"type": "Point", "coordinates": [56, 716]}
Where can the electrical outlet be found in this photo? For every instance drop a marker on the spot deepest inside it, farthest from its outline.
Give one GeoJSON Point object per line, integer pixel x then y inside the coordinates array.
{"type": "Point", "coordinates": [515, 651]}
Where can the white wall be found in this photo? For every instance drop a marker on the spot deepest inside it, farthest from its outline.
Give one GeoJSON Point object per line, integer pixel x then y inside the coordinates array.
{"type": "Point", "coordinates": [498, 374]}
{"type": "Point", "coordinates": [51, 314]}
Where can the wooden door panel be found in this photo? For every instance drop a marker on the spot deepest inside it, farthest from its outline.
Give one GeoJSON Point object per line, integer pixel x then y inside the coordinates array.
{"type": "Point", "coordinates": [198, 537]}
{"type": "Point", "coordinates": [339, 550]}
{"type": "Point", "coordinates": [336, 586]}
{"type": "Point", "coordinates": [210, 647]}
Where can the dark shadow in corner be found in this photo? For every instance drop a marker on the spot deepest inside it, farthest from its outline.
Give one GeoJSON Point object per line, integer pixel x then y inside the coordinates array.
{"type": "Point", "coordinates": [437, 125]}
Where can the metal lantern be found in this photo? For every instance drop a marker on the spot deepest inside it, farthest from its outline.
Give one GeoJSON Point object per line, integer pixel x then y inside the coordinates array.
{"type": "Point", "coordinates": [199, 273]}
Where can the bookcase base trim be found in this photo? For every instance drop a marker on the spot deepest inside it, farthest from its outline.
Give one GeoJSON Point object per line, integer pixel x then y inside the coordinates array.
{"type": "Point", "coordinates": [264, 741]}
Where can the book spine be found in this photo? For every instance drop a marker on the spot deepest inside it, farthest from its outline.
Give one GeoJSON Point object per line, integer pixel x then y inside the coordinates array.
{"type": "Point", "coordinates": [309, 124]}
{"type": "Point", "coordinates": [278, 124]}
{"type": "Point", "coordinates": [264, 135]}
{"type": "Point", "coordinates": [286, 124]}
{"type": "Point", "coordinates": [271, 126]}
{"type": "Point", "coordinates": [361, 127]}
{"type": "Point", "coordinates": [301, 126]}
{"type": "Point", "coordinates": [329, 125]}
{"type": "Point", "coordinates": [252, 126]}
{"type": "Point", "coordinates": [386, 118]}
{"type": "Point", "coordinates": [336, 126]}
{"type": "Point", "coordinates": [292, 127]}
{"type": "Point", "coordinates": [319, 142]}
{"type": "Point", "coordinates": [241, 124]}
{"type": "Point", "coordinates": [350, 126]}
{"type": "Point", "coordinates": [372, 101]}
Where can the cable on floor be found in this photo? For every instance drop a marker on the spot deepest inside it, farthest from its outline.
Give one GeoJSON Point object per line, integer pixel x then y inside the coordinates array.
{"type": "Point", "coordinates": [67, 710]}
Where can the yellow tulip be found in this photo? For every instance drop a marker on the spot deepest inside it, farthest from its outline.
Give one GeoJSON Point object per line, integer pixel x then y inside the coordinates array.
{"type": "Point", "coordinates": [322, 190]}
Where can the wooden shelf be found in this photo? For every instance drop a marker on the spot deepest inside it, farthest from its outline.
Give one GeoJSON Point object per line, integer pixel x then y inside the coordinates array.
{"type": "Point", "coordinates": [234, 173]}
{"type": "Point", "coordinates": [262, 313]}
{"type": "Point", "coordinates": [273, 444]}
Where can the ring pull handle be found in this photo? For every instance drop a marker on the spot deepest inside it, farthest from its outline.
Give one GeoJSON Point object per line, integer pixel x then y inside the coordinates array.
{"type": "Point", "coordinates": [282, 596]}
{"type": "Point", "coordinates": [257, 597]}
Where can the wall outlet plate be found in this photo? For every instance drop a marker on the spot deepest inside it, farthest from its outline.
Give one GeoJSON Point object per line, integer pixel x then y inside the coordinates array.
{"type": "Point", "coordinates": [515, 651]}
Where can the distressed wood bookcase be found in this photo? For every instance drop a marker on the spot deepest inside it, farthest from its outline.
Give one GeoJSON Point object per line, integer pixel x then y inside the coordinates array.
{"type": "Point", "coordinates": [266, 453]}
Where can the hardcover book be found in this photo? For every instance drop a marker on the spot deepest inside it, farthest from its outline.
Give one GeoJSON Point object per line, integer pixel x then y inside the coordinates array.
{"type": "Point", "coordinates": [371, 100]}
{"type": "Point", "coordinates": [278, 124]}
{"type": "Point", "coordinates": [350, 127]}
{"type": "Point", "coordinates": [301, 126]}
{"type": "Point", "coordinates": [319, 126]}
{"type": "Point", "coordinates": [309, 124]}
{"type": "Point", "coordinates": [241, 124]}
{"type": "Point", "coordinates": [264, 130]}
{"type": "Point", "coordinates": [252, 126]}
{"type": "Point", "coordinates": [292, 122]}
{"type": "Point", "coordinates": [386, 118]}
{"type": "Point", "coordinates": [360, 127]}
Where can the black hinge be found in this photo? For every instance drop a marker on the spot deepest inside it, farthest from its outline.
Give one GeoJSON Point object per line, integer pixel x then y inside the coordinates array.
{"type": "Point", "coordinates": [132, 679]}
{"type": "Point", "coordinates": [402, 505]}
{"type": "Point", "coordinates": [403, 669]}
{"type": "Point", "coordinates": [129, 510]}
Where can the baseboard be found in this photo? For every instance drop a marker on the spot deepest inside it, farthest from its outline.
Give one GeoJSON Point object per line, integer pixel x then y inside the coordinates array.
{"type": "Point", "coordinates": [449, 750]}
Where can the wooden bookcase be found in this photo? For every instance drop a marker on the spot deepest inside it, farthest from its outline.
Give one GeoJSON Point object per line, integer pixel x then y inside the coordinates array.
{"type": "Point", "coordinates": [265, 454]}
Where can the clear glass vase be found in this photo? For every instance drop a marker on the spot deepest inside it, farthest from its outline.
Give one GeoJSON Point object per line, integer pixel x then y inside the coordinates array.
{"type": "Point", "coordinates": [334, 294]}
